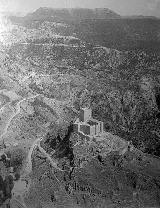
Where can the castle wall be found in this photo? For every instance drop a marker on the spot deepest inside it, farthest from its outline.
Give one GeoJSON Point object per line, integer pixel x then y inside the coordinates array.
{"type": "Point", "coordinates": [81, 116]}
{"type": "Point", "coordinates": [87, 125]}
{"type": "Point", "coordinates": [92, 133]}
{"type": "Point", "coordinates": [102, 126]}
{"type": "Point", "coordinates": [85, 129]}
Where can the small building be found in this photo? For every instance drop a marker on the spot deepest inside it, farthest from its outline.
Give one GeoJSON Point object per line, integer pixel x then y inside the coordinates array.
{"type": "Point", "coordinates": [87, 125]}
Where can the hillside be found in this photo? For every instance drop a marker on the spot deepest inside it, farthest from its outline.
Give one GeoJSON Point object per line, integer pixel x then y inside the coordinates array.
{"type": "Point", "coordinates": [103, 27]}
{"type": "Point", "coordinates": [122, 34]}
{"type": "Point", "coordinates": [73, 14]}
{"type": "Point", "coordinates": [55, 62]}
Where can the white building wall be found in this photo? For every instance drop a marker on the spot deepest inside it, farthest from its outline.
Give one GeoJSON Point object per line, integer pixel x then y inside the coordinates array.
{"type": "Point", "coordinates": [92, 130]}
{"type": "Point", "coordinates": [79, 127]}
{"type": "Point", "coordinates": [102, 127]}
{"type": "Point", "coordinates": [87, 114]}
{"type": "Point", "coordinates": [98, 128]}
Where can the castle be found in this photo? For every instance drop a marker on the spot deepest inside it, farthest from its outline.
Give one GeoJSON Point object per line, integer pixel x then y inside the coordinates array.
{"type": "Point", "coordinates": [87, 125]}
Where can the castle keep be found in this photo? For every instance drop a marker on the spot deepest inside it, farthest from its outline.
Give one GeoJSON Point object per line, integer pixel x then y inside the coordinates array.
{"type": "Point", "coordinates": [87, 125]}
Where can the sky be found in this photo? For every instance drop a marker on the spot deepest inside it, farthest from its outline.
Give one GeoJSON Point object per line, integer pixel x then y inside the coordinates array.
{"type": "Point", "coordinates": [122, 7]}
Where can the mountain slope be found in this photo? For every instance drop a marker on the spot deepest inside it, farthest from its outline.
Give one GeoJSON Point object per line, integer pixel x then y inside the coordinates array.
{"type": "Point", "coordinates": [101, 26]}
{"type": "Point", "coordinates": [122, 34]}
{"type": "Point", "coordinates": [73, 14]}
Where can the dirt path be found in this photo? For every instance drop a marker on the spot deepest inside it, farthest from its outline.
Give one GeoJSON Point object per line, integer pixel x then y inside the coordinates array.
{"type": "Point", "coordinates": [52, 161]}
{"type": "Point", "coordinates": [21, 187]}
{"type": "Point", "coordinates": [8, 113]}
{"type": "Point", "coordinates": [28, 165]}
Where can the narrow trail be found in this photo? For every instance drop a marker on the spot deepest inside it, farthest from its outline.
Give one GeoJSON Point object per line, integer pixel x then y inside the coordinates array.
{"type": "Point", "coordinates": [48, 44]}
{"type": "Point", "coordinates": [51, 160]}
{"type": "Point", "coordinates": [28, 165]}
{"type": "Point", "coordinates": [28, 169]}
{"type": "Point", "coordinates": [8, 113]}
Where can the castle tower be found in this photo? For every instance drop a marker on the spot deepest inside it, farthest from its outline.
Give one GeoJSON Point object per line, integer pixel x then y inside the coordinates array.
{"type": "Point", "coordinates": [85, 114]}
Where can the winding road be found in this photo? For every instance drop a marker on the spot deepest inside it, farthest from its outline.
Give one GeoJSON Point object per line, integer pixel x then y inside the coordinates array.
{"type": "Point", "coordinates": [8, 113]}
{"type": "Point", "coordinates": [28, 165]}
{"type": "Point", "coordinates": [21, 188]}
{"type": "Point", "coordinates": [147, 165]}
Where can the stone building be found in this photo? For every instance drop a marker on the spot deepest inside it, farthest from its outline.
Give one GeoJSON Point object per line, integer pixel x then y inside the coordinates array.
{"type": "Point", "coordinates": [87, 125]}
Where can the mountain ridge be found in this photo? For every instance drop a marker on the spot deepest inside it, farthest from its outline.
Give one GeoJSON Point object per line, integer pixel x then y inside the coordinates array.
{"type": "Point", "coordinates": [77, 13]}
{"type": "Point", "coordinates": [80, 13]}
